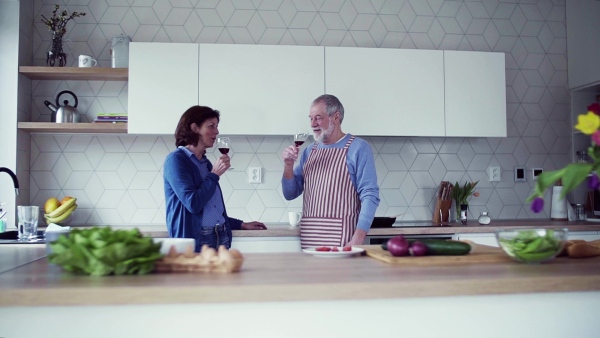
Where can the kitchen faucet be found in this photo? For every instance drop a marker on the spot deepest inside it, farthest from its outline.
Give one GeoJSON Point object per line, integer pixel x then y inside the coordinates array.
{"type": "Point", "coordinates": [14, 178]}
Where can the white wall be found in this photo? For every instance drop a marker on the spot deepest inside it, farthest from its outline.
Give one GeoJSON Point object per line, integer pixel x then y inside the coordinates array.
{"type": "Point", "coordinates": [118, 178]}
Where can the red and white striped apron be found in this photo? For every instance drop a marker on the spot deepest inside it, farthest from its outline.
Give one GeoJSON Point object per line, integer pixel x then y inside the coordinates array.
{"type": "Point", "coordinates": [331, 203]}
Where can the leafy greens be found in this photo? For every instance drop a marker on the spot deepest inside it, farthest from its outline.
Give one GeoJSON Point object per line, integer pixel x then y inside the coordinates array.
{"type": "Point", "coordinates": [101, 251]}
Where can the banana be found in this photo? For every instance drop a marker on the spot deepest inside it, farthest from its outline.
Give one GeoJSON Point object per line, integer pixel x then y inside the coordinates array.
{"type": "Point", "coordinates": [62, 216]}
{"type": "Point", "coordinates": [63, 207]}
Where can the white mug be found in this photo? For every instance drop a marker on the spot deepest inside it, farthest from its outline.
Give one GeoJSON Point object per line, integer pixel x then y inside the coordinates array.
{"type": "Point", "coordinates": [294, 218]}
{"type": "Point", "coordinates": [86, 61]}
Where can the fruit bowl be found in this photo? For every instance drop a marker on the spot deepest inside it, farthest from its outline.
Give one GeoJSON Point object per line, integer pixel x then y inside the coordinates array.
{"type": "Point", "coordinates": [532, 245]}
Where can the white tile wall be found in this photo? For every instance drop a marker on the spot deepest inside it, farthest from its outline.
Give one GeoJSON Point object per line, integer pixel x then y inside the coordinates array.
{"type": "Point", "coordinates": [118, 179]}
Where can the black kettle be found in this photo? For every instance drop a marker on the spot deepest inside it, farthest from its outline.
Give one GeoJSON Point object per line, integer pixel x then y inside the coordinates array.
{"type": "Point", "coordinates": [64, 113]}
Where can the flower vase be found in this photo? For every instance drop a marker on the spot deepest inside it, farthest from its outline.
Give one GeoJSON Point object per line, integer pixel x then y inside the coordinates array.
{"type": "Point", "coordinates": [56, 53]}
{"type": "Point", "coordinates": [463, 213]}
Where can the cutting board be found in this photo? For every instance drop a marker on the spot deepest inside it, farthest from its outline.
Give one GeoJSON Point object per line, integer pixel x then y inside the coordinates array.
{"type": "Point", "coordinates": [479, 254]}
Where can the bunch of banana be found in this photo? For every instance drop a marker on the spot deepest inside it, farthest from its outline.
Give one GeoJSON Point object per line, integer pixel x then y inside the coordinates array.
{"type": "Point", "coordinates": [61, 213]}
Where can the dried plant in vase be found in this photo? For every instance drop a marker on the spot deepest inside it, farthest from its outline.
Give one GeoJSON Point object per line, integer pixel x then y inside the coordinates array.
{"type": "Point", "coordinates": [57, 24]}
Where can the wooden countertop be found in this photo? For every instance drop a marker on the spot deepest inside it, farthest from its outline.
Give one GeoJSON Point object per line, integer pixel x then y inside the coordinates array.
{"type": "Point", "coordinates": [413, 228]}
{"type": "Point", "coordinates": [278, 277]}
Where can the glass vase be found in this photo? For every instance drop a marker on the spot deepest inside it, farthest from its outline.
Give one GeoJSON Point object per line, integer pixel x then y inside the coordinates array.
{"type": "Point", "coordinates": [55, 55]}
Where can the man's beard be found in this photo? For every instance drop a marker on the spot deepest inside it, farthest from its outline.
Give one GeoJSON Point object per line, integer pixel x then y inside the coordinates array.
{"type": "Point", "coordinates": [325, 134]}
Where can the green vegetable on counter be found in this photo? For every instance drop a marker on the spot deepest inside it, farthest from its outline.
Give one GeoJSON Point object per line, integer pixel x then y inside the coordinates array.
{"type": "Point", "coordinates": [101, 251]}
{"type": "Point", "coordinates": [528, 246]}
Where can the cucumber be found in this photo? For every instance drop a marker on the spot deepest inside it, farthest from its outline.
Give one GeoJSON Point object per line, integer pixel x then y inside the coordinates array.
{"type": "Point", "coordinates": [441, 247]}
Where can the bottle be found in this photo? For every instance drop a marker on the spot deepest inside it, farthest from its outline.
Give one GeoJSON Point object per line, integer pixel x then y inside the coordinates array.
{"type": "Point", "coordinates": [463, 213]}
{"type": "Point", "coordinates": [484, 218]}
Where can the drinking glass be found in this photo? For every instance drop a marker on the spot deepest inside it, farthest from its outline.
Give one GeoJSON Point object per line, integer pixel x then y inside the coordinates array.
{"type": "Point", "coordinates": [300, 138]}
{"type": "Point", "coordinates": [27, 222]}
{"type": "Point", "coordinates": [223, 144]}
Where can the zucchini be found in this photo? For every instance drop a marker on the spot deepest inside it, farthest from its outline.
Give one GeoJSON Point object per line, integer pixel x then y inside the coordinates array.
{"type": "Point", "coordinates": [441, 247]}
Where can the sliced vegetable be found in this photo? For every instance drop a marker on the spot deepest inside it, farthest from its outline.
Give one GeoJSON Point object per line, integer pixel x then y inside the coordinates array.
{"type": "Point", "coordinates": [529, 246]}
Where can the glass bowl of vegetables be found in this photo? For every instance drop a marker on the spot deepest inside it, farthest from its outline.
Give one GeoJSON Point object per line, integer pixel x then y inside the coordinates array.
{"type": "Point", "coordinates": [532, 245]}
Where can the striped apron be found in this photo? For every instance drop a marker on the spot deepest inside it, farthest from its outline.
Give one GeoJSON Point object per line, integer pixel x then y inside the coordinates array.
{"type": "Point", "coordinates": [331, 203]}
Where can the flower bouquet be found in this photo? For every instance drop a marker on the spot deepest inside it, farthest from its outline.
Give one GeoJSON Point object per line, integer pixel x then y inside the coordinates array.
{"type": "Point", "coordinates": [461, 194]}
{"type": "Point", "coordinates": [573, 174]}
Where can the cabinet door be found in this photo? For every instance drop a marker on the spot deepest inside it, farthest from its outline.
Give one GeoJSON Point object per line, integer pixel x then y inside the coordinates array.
{"type": "Point", "coordinates": [479, 238]}
{"type": "Point", "coordinates": [475, 94]}
{"type": "Point", "coordinates": [583, 49]}
{"type": "Point", "coordinates": [266, 244]}
{"type": "Point", "coordinates": [584, 235]}
{"type": "Point", "coordinates": [261, 89]}
{"type": "Point", "coordinates": [397, 92]}
{"type": "Point", "coordinates": [163, 84]}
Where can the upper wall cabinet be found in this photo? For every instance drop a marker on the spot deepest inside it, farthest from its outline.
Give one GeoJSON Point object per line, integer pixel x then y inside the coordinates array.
{"type": "Point", "coordinates": [475, 94]}
{"type": "Point", "coordinates": [583, 42]}
{"type": "Point", "coordinates": [261, 89]}
{"type": "Point", "coordinates": [163, 84]}
{"type": "Point", "coordinates": [388, 91]}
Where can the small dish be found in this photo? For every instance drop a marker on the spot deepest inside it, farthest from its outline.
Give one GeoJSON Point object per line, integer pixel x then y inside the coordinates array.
{"type": "Point", "coordinates": [180, 244]}
{"type": "Point", "coordinates": [334, 254]}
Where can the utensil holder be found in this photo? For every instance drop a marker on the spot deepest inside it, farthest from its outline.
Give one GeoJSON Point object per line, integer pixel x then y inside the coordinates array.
{"type": "Point", "coordinates": [441, 212]}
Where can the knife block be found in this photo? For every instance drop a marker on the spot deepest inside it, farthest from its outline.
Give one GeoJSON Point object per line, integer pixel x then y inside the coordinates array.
{"type": "Point", "coordinates": [441, 212]}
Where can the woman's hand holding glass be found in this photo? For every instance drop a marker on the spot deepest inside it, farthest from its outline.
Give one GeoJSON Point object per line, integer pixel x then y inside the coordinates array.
{"type": "Point", "coordinates": [224, 162]}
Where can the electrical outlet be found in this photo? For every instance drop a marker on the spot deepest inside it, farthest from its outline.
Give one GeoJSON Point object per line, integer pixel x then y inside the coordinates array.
{"type": "Point", "coordinates": [494, 174]}
{"type": "Point", "coordinates": [535, 172]}
{"type": "Point", "coordinates": [255, 175]}
{"type": "Point", "coordinates": [520, 174]}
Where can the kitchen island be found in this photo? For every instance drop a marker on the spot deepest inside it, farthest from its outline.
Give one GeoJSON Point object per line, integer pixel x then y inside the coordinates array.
{"type": "Point", "coordinates": [297, 295]}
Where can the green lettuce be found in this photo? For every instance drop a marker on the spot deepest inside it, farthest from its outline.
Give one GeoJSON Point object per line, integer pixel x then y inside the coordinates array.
{"type": "Point", "coordinates": [101, 251]}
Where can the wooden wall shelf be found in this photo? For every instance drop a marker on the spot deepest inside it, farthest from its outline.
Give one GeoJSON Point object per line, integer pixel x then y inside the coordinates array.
{"type": "Point", "coordinates": [73, 128]}
{"type": "Point", "coordinates": [75, 73]}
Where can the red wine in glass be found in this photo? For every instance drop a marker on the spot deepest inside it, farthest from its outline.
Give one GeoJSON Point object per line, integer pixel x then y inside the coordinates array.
{"type": "Point", "coordinates": [300, 138]}
{"type": "Point", "coordinates": [224, 150]}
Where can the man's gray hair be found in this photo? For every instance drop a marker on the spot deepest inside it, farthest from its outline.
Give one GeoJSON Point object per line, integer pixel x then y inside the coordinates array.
{"type": "Point", "coordinates": [332, 105]}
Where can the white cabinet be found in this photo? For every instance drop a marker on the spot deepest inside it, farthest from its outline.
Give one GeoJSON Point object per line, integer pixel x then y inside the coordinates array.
{"type": "Point", "coordinates": [479, 238]}
{"type": "Point", "coordinates": [584, 235]}
{"type": "Point", "coordinates": [261, 89]}
{"type": "Point", "coordinates": [388, 91]}
{"type": "Point", "coordinates": [475, 94]}
{"type": "Point", "coordinates": [163, 84]}
{"type": "Point", "coordinates": [583, 47]}
{"type": "Point", "coordinates": [266, 244]}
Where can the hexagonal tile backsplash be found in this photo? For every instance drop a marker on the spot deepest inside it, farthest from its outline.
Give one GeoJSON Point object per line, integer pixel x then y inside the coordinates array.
{"type": "Point", "coordinates": [118, 179]}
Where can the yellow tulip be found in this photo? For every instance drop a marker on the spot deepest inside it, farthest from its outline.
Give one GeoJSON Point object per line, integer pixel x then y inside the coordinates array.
{"type": "Point", "coordinates": [588, 123]}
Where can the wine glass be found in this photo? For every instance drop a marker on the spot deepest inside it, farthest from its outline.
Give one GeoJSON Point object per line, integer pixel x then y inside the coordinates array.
{"type": "Point", "coordinates": [300, 138]}
{"type": "Point", "coordinates": [223, 145]}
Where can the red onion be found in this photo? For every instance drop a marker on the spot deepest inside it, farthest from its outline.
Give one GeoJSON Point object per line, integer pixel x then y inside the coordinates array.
{"type": "Point", "coordinates": [398, 246]}
{"type": "Point", "coordinates": [418, 249]}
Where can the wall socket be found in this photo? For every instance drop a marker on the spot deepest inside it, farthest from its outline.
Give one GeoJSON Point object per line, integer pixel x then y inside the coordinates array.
{"type": "Point", "coordinates": [254, 174]}
{"type": "Point", "coordinates": [494, 174]}
{"type": "Point", "coordinates": [535, 173]}
{"type": "Point", "coordinates": [520, 174]}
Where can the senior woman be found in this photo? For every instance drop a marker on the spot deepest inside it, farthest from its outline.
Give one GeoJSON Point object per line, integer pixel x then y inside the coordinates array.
{"type": "Point", "coordinates": [194, 201]}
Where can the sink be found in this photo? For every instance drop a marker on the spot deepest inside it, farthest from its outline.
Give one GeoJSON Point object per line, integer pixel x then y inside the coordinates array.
{"type": "Point", "coordinates": [10, 237]}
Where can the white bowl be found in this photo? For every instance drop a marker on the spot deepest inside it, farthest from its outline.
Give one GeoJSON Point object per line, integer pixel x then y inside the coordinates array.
{"type": "Point", "coordinates": [180, 244]}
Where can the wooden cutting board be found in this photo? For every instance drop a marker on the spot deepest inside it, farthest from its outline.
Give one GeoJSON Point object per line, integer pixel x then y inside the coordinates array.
{"type": "Point", "coordinates": [479, 254]}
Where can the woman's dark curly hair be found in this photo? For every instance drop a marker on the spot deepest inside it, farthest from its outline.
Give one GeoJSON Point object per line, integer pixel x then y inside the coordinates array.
{"type": "Point", "coordinates": [184, 135]}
